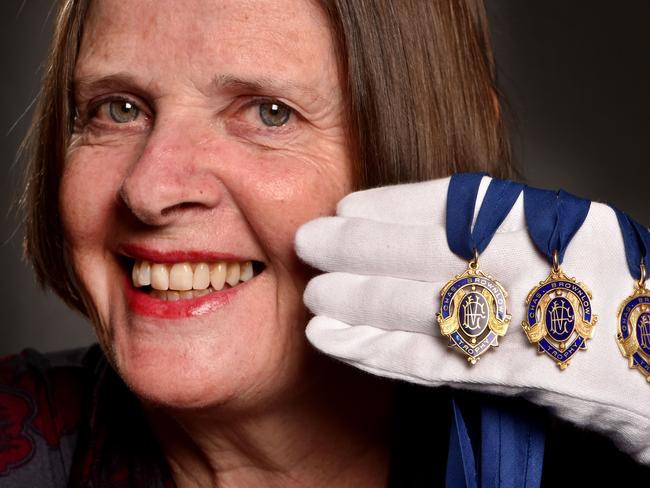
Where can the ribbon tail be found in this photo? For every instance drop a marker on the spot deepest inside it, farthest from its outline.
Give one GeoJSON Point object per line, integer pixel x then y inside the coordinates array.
{"type": "Point", "coordinates": [461, 466]}
{"type": "Point", "coordinates": [512, 448]}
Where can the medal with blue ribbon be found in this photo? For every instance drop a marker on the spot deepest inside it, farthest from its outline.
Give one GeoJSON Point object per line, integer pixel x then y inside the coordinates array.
{"type": "Point", "coordinates": [633, 334]}
{"type": "Point", "coordinates": [559, 317]}
{"type": "Point", "coordinates": [473, 311]}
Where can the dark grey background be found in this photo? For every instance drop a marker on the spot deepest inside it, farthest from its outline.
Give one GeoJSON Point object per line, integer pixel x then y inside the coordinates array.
{"type": "Point", "coordinates": [576, 75]}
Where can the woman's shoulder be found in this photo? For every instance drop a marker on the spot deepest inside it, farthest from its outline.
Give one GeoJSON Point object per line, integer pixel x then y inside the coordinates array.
{"type": "Point", "coordinates": [43, 398]}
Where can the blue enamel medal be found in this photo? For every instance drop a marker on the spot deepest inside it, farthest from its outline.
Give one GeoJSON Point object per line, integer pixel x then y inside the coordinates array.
{"type": "Point", "coordinates": [633, 321]}
{"type": "Point", "coordinates": [473, 312]}
{"type": "Point", "coordinates": [559, 318]}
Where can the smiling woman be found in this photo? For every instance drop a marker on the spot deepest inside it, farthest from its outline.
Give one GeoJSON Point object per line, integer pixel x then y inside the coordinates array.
{"type": "Point", "coordinates": [208, 175]}
{"type": "Point", "coordinates": [177, 149]}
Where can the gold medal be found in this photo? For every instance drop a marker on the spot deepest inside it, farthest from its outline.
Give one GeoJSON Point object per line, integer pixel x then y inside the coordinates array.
{"type": "Point", "coordinates": [473, 312]}
{"type": "Point", "coordinates": [633, 337]}
{"type": "Point", "coordinates": [559, 318]}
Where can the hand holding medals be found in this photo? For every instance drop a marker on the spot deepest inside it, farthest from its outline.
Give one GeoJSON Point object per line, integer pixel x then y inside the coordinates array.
{"type": "Point", "coordinates": [386, 259]}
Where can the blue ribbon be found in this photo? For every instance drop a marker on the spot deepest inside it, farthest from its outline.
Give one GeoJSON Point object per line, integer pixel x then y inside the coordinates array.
{"type": "Point", "coordinates": [461, 464]}
{"type": "Point", "coordinates": [461, 200]}
{"type": "Point", "coordinates": [637, 243]}
{"type": "Point", "coordinates": [512, 450]}
{"type": "Point", "coordinates": [553, 218]}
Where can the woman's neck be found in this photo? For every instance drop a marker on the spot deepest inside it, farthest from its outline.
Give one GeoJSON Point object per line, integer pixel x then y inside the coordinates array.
{"type": "Point", "coordinates": [332, 430]}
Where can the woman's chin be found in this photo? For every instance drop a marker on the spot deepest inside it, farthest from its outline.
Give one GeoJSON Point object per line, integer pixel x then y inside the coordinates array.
{"type": "Point", "coordinates": [196, 376]}
{"type": "Point", "coordinates": [171, 391]}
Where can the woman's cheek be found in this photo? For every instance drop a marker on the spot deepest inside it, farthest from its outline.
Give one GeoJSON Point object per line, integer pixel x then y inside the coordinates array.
{"type": "Point", "coordinates": [289, 191]}
{"type": "Point", "coordinates": [87, 202]}
{"type": "Point", "coordinates": [89, 192]}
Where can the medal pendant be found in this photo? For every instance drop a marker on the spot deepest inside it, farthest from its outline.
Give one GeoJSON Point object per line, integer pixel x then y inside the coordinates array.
{"type": "Point", "coordinates": [559, 318]}
{"type": "Point", "coordinates": [633, 337]}
{"type": "Point", "coordinates": [473, 312]}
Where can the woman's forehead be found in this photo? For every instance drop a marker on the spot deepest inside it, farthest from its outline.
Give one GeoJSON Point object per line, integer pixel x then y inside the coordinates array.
{"type": "Point", "coordinates": [198, 41]}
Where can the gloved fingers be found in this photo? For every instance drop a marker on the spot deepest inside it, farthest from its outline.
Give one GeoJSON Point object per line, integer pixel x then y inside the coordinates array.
{"type": "Point", "coordinates": [415, 204]}
{"type": "Point", "coordinates": [422, 358]}
{"type": "Point", "coordinates": [600, 377]}
{"type": "Point", "coordinates": [385, 302]}
{"type": "Point", "coordinates": [627, 428]}
{"type": "Point", "coordinates": [367, 247]}
{"type": "Point", "coordinates": [418, 204]}
{"type": "Point", "coordinates": [391, 354]}
{"type": "Point", "coordinates": [616, 408]}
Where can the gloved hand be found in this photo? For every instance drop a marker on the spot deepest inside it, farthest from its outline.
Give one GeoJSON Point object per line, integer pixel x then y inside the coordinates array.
{"type": "Point", "coordinates": [387, 258]}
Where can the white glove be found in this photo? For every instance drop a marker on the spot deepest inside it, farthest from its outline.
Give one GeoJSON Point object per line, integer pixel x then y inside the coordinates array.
{"type": "Point", "coordinates": [387, 258]}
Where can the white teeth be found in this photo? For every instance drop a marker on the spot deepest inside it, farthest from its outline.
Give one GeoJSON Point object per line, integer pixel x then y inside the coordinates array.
{"type": "Point", "coordinates": [201, 278]}
{"type": "Point", "coordinates": [186, 280]}
{"type": "Point", "coordinates": [144, 276]}
{"type": "Point", "coordinates": [159, 277]}
{"type": "Point", "coordinates": [246, 271]}
{"type": "Point", "coordinates": [218, 276]}
{"type": "Point", "coordinates": [141, 273]}
{"type": "Point", "coordinates": [135, 274]}
{"type": "Point", "coordinates": [180, 277]}
{"type": "Point", "coordinates": [232, 274]}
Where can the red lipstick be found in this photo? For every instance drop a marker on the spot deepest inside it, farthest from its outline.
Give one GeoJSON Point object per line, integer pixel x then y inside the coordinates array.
{"type": "Point", "coordinates": [141, 303]}
{"type": "Point", "coordinates": [140, 252]}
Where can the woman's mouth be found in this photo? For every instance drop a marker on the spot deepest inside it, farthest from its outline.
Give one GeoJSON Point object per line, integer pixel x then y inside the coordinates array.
{"type": "Point", "coordinates": [186, 289]}
{"type": "Point", "coordinates": [176, 281]}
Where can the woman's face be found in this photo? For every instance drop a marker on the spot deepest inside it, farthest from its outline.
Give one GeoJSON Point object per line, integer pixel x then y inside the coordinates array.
{"type": "Point", "coordinates": [207, 133]}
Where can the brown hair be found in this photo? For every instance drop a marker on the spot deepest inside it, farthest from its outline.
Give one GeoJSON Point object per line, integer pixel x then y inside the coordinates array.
{"type": "Point", "coordinates": [421, 87]}
{"type": "Point", "coordinates": [419, 83]}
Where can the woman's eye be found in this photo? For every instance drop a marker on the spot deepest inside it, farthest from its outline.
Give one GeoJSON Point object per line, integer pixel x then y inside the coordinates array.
{"type": "Point", "coordinates": [122, 111]}
{"type": "Point", "coordinates": [274, 114]}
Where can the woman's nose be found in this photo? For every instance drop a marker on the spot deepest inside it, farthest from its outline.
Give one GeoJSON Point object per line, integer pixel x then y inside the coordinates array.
{"type": "Point", "coordinates": [171, 178]}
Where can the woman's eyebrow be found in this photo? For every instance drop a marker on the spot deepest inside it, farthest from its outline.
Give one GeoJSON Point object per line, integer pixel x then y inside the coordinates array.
{"type": "Point", "coordinates": [267, 86]}
{"type": "Point", "coordinates": [85, 85]}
